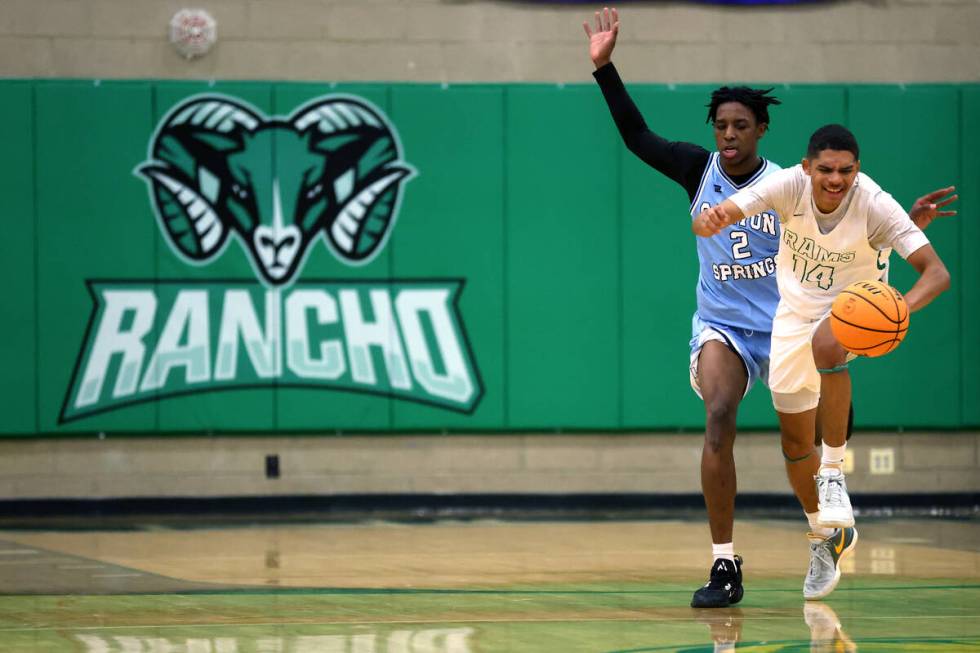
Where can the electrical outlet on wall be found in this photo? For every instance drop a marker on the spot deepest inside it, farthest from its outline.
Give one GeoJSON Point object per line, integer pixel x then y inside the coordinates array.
{"type": "Point", "coordinates": [882, 461]}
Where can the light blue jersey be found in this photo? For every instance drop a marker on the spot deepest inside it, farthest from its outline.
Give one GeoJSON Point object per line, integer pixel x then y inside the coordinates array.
{"type": "Point", "coordinates": [737, 282]}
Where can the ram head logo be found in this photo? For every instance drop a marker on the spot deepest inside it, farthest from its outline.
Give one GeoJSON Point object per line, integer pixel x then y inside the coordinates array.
{"type": "Point", "coordinates": [217, 168]}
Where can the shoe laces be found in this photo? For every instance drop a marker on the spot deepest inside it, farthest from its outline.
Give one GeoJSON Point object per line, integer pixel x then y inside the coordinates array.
{"type": "Point", "coordinates": [831, 489]}
{"type": "Point", "coordinates": [724, 575]}
{"type": "Point", "coordinates": [819, 557]}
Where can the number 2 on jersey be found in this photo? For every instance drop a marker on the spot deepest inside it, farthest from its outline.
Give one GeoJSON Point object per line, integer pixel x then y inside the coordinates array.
{"type": "Point", "coordinates": [740, 248]}
{"type": "Point", "coordinates": [740, 244]}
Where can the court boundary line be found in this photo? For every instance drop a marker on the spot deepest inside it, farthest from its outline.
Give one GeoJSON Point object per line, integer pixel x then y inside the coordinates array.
{"type": "Point", "coordinates": [248, 590]}
{"type": "Point", "coordinates": [638, 618]}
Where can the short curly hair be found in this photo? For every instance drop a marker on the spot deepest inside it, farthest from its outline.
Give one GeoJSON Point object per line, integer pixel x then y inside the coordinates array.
{"type": "Point", "coordinates": [757, 100]}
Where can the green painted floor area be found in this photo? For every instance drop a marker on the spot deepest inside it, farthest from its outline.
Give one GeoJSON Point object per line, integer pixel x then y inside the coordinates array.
{"type": "Point", "coordinates": [899, 596]}
{"type": "Point", "coordinates": [894, 616]}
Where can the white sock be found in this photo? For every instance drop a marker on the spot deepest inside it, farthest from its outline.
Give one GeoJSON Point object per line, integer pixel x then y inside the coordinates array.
{"type": "Point", "coordinates": [833, 456]}
{"type": "Point", "coordinates": [726, 551]}
{"type": "Point", "coordinates": [815, 527]}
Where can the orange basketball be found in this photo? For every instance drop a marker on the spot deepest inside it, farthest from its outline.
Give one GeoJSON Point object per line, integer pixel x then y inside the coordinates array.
{"type": "Point", "coordinates": [869, 318]}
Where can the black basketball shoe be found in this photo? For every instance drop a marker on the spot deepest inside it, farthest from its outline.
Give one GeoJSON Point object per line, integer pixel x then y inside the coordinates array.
{"type": "Point", "coordinates": [724, 588]}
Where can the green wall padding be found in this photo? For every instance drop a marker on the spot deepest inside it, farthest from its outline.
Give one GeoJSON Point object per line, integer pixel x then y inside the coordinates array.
{"type": "Point", "coordinates": [572, 262]}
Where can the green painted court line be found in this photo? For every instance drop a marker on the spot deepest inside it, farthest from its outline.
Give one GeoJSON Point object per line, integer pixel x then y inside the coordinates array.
{"type": "Point", "coordinates": [340, 591]}
{"type": "Point", "coordinates": [902, 641]}
{"type": "Point", "coordinates": [397, 622]}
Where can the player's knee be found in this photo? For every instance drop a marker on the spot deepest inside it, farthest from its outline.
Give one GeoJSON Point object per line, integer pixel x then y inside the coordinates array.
{"type": "Point", "coordinates": [796, 446]}
{"type": "Point", "coordinates": [827, 353]}
{"type": "Point", "coordinates": [717, 440]}
{"type": "Point", "coordinates": [721, 412]}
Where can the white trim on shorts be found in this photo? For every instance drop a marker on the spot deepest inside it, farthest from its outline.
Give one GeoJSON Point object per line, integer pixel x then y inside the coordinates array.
{"type": "Point", "coordinates": [709, 333]}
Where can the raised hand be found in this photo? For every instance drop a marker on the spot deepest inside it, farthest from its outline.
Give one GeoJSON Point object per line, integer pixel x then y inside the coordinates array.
{"type": "Point", "coordinates": [926, 208]}
{"type": "Point", "coordinates": [603, 39]}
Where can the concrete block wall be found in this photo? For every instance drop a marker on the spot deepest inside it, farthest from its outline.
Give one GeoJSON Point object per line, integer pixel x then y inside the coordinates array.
{"type": "Point", "coordinates": [497, 41]}
{"type": "Point", "coordinates": [446, 464]}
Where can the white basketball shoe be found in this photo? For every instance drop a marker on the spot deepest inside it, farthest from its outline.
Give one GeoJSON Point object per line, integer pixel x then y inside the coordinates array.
{"type": "Point", "coordinates": [834, 504]}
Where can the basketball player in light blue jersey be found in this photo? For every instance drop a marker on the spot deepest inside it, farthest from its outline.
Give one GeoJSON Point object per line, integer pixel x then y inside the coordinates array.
{"type": "Point", "coordinates": [736, 292]}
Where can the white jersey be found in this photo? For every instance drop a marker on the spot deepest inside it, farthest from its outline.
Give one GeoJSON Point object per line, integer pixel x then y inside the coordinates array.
{"type": "Point", "coordinates": [820, 254]}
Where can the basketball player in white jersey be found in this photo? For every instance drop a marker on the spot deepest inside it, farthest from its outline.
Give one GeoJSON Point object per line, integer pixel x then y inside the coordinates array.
{"type": "Point", "coordinates": [736, 291]}
{"type": "Point", "coordinates": [838, 227]}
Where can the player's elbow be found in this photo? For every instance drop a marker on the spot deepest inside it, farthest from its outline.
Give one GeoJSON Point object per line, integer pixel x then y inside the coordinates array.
{"type": "Point", "coordinates": [943, 280]}
{"type": "Point", "coordinates": [939, 277]}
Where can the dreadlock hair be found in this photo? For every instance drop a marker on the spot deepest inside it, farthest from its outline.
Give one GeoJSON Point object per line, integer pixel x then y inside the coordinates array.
{"type": "Point", "coordinates": [756, 99]}
{"type": "Point", "coordinates": [832, 137]}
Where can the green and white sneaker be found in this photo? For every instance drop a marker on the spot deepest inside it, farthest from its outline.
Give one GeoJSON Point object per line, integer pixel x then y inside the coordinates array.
{"type": "Point", "coordinates": [825, 557]}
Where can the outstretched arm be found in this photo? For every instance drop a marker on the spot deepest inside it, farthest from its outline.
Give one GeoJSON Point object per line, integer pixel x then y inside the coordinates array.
{"type": "Point", "coordinates": [682, 162]}
{"type": "Point", "coordinates": [933, 277]}
{"type": "Point", "coordinates": [715, 218]}
{"type": "Point", "coordinates": [926, 208]}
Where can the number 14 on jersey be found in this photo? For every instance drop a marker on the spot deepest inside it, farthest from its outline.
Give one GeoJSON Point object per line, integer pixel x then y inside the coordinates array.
{"type": "Point", "coordinates": [813, 273]}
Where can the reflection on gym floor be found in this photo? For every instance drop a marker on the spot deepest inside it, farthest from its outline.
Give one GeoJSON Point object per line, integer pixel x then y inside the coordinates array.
{"type": "Point", "coordinates": [481, 586]}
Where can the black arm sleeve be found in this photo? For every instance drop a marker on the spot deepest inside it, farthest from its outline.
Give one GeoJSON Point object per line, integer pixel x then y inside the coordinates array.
{"type": "Point", "coordinates": [680, 161]}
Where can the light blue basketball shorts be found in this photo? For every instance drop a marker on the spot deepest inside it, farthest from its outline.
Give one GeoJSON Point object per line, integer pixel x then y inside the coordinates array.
{"type": "Point", "coordinates": [751, 346]}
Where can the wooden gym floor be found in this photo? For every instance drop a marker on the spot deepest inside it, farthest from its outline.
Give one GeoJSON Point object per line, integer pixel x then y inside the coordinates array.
{"type": "Point", "coordinates": [480, 586]}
